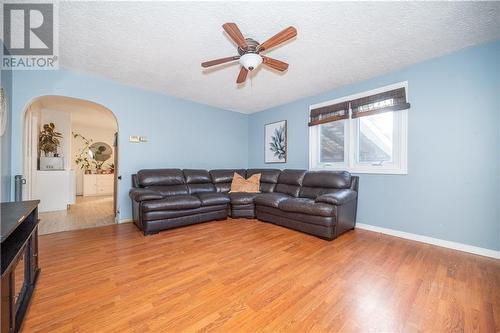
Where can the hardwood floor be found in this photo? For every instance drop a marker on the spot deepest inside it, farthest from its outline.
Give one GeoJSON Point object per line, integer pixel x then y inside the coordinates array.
{"type": "Point", "coordinates": [87, 212]}
{"type": "Point", "coordinates": [249, 276]}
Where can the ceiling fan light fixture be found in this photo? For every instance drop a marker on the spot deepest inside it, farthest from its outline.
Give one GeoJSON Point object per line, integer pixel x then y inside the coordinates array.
{"type": "Point", "coordinates": [250, 61]}
{"type": "Point", "coordinates": [249, 49]}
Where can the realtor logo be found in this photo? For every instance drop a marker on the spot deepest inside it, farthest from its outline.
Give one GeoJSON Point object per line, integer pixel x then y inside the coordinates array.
{"type": "Point", "coordinates": [29, 36]}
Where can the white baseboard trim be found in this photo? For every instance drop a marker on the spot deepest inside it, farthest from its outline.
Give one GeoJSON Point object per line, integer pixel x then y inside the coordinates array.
{"type": "Point", "coordinates": [430, 240]}
{"type": "Point", "coordinates": [419, 238]}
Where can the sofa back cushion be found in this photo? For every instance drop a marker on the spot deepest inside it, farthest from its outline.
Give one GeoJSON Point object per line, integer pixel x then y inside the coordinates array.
{"type": "Point", "coordinates": [160, 177]}
{"type": "Point", "coordinates": [268, 178]}
{"type": "Point", "coordinates": [222, 178]}
{"type": "Point", "coordinates": [198, 181]}
{"type": "Point", "coordinates": [289, 182]}
{"type": "Point", "coordinates": [164, 181]}
{"type": "Point", "coordinates": [316, 183]}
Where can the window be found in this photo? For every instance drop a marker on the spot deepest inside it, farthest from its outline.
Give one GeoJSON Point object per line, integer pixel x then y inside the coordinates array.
{"type": "Point", "coordinates": [363, 133]}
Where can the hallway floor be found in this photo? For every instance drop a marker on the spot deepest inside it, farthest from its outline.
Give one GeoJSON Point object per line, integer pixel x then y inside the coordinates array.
{"type": "Point", "coordinates": [87, 212]}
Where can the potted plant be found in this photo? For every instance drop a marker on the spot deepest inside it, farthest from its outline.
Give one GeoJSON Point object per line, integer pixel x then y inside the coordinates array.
{"type": "Point", "coordinates": [48, 142]}
{"type": "Point", "coordinates": [111, 167]}
{"type": "Point", "coordinates": [83, 159]}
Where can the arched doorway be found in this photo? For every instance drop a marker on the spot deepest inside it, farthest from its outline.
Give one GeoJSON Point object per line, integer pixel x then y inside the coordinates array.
{"type": "Point", "coordinates": [70, 162]}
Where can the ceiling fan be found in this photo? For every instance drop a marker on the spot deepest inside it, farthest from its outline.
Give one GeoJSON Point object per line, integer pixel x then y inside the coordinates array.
{"type": "Point", "coordinates": [249, 51]}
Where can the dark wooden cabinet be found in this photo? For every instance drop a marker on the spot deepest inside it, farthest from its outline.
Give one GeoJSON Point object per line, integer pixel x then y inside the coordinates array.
{"type": "Point", "coordinates": [19, 261]}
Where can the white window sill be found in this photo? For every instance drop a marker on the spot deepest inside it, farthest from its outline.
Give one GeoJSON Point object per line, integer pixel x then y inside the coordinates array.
{"type": "Point", "coordinates": [374, 171]}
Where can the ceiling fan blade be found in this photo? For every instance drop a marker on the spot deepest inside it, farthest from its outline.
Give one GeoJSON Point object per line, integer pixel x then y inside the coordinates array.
{"type": "Point", "coordinates": [274, 64]}
{"type": "Point", "coordinates": [279, 38]}
{"type": "Point", "coordinates": [218, 61]}
{"type": "Point", "coordinates": [234, 32]}
{"type": "Point", "coordinates": [242, 76]}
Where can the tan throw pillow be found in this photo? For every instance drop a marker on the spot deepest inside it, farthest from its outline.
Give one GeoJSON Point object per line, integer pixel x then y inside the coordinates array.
{"type": "Point", "coordinates": [250, 185]}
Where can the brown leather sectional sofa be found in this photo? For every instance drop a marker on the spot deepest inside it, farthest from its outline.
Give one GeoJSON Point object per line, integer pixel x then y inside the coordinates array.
{"type": "Point", "coordinates": [320, 203]}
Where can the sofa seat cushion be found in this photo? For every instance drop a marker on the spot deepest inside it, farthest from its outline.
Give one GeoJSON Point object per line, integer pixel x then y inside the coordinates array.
{"type": "Point", "coordinates": [244, 207]}
{"type": "Point", "coordinates": [143, 194]}
{"type": "Point", "coordinates": [175, 202]}
{"type": "Point", "coordinates": [306, 206]}
{"type": "Point", "coordinates": [171, 190]}
{"type": "Point", "coordinates": [327, 221]}
{"type": "Point", "coordinates": [271, 199]}
{"type": "Point", "coordinates": [242, 198]}
{"type": "Point", "coordinates": [212, 199]}
{"type": "Point", "coordinates": [170, 214]}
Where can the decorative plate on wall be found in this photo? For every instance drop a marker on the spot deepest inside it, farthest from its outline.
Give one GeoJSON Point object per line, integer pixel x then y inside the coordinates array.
{"type": "Point", "coordinates": [275, 142]}
{"type": "Point", "coordinates": [3, 112]}
{"type": "Point", "coordinates": [101, 151]}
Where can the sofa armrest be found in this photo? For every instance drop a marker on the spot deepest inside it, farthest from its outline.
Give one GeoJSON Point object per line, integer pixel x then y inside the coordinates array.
{"type": "Point", "coordinates": [337, 198]}
{"type": "Point", "coordinates": [143, 194]}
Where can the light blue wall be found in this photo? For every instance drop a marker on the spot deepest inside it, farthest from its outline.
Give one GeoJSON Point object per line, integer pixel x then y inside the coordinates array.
{"type": "Point", "coordinates": [181, 133]}
{"type": "Point", "coordinates": [6, 143]}
{"type": "Point", "coordinates": [451, 191]}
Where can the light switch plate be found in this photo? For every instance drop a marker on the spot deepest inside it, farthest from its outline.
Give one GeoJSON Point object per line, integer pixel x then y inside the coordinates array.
{"type": "Point", "coordinates": [134, 138]}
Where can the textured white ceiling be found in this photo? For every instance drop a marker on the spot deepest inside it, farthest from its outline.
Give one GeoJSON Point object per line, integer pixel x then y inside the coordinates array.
{"type": "Point", "coordinates": [160, 45]}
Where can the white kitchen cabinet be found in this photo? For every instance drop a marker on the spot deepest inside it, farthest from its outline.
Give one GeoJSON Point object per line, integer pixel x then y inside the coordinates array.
{"type": "Point", "coordinates": [98, 184]}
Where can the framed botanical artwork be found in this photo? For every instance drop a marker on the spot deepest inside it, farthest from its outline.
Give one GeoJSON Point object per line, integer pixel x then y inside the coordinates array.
{"type": "Point", "coordinates": [275, 142]}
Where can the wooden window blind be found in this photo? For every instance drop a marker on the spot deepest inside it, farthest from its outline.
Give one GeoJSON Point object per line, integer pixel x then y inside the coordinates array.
{"type": "Point", "coordinates": [329, 113]}
{"type": "Point", "coordinates": [392, 100]}
{"type": "Point", "coordinates": [387, 101]}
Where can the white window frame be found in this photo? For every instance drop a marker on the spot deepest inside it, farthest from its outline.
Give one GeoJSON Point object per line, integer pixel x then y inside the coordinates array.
{"type": "Point", "coordinates": [400, 153]}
